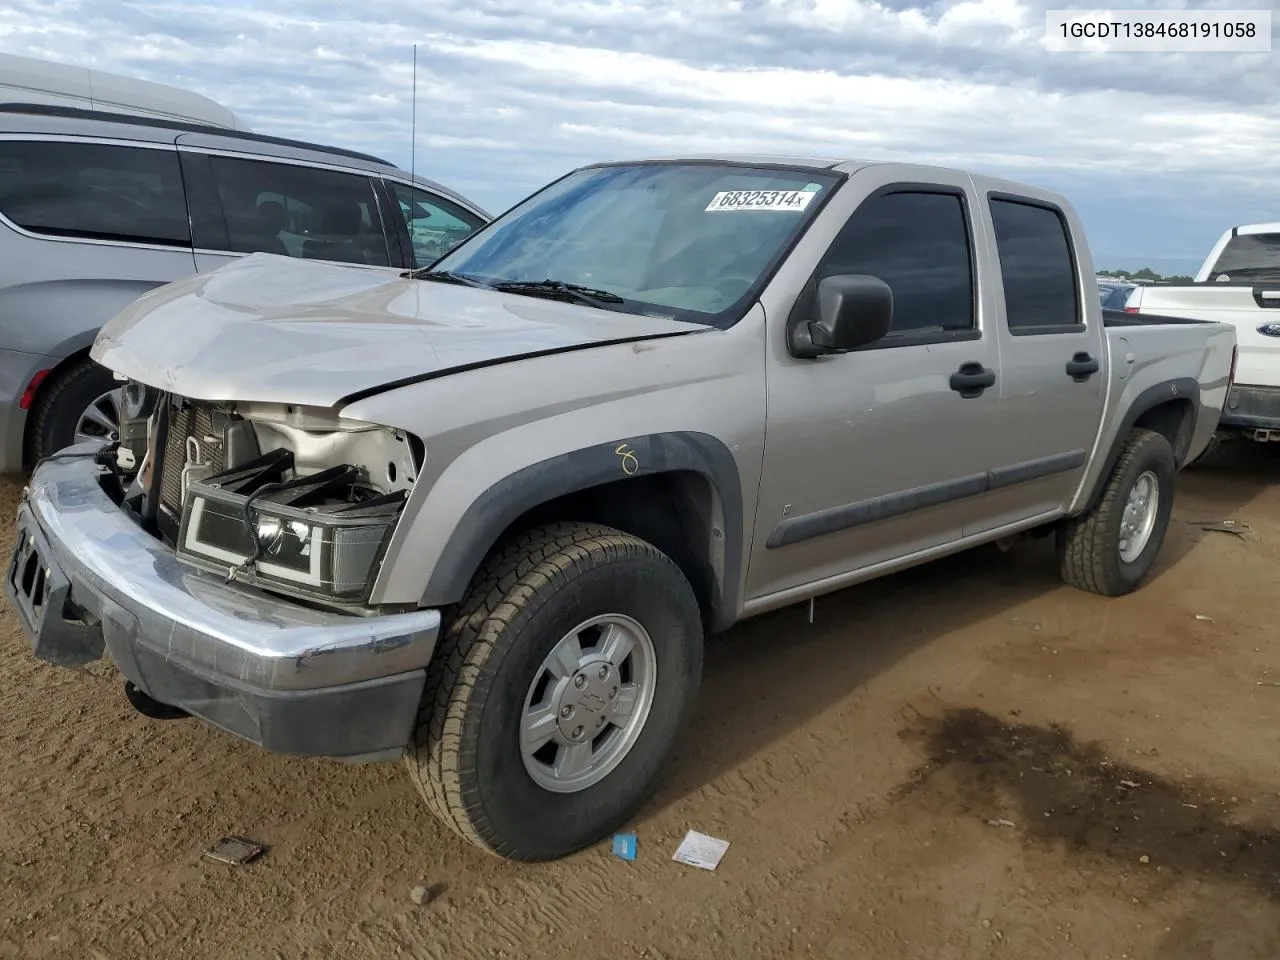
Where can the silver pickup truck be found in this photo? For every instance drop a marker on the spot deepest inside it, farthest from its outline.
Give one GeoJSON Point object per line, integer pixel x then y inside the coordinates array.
{"type": "Point", "coordinates": [481, 516]}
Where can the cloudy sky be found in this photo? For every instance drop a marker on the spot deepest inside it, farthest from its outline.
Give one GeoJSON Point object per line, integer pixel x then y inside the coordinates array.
{"type": "Point", "coordinates": [1159, 152]}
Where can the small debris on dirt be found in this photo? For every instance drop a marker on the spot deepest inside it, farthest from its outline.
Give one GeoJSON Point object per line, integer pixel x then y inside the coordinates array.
{"type": "Point", "coordinates": [1144, 859]}
{"type": "Point", "coordinates": [1234, 527]}
{"type": "Point", "coordinates": [236, 851]}
{"type": "Point", "coordinates": [624, 846]}
{"type": "Point", "coordinates": [1129, 783]}
{"type": "Point", "coordinates": [699, 850]}
{"type": "Point", "coordinates": [424, 895]}
{"type": "Point", "coordinates": [1206, 619]}
{"type": "Point", "coordinates": [986, 923]}
{"type": "Point", "coordinates": [1001, 822]}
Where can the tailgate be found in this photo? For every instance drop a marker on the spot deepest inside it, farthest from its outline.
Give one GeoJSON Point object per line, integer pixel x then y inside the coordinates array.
{"type": "Point", "coordinates": [1253, 309]}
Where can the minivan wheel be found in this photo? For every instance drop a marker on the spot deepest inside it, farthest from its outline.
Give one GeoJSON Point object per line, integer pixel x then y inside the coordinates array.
{"type": "Point", "coordinates": [1112, 547]}
{"type": "Point", "coordinates": [557, 691]}
{"type": "Point", "coordinates": [83, 403]}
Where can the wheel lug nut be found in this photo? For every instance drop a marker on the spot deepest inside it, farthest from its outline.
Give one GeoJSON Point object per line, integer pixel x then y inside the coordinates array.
{"type": "Point", "coordinates": [613, 693]}
{"type": "Point", "coordinates": [566, 712]}
{"type": "Point", "coordinates": [604, 673]}
{"type": "Point", "coordinates": [599, 721]}
{"type": "Point", "coordinates": [579, 681]}
{"type": "Point", "coordinates": [577, 733]}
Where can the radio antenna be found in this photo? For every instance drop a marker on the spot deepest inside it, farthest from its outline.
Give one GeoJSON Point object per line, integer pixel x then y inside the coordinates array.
{"type": "Point", "coordinates": [413, 123]}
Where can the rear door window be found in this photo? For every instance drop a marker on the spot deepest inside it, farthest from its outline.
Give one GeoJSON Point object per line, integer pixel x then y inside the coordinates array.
{"type": "Point", "coordinates": [290, 210]}
{"type": "Point", "coordinates": [435, 224]}
{"type": "Point", "coordinates": [1038, 268]}
{"type": "Point", "coordinates": [94, 191]}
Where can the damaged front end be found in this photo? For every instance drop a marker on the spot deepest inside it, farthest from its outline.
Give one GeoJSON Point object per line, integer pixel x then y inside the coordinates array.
{"type": "Point", "coordinates": [293, 500]}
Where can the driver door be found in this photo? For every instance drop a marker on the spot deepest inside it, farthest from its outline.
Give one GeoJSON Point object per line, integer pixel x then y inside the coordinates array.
{"type": "Point", "coordinates": [874, 456]}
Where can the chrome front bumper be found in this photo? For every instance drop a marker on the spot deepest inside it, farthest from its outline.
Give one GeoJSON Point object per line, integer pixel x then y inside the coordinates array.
{"type": "Point", "coordinates": [84, 576]}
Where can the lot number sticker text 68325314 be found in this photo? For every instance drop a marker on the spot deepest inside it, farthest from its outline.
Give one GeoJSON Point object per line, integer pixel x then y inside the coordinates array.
{"type": "Point", "coordinates": [791, 200]}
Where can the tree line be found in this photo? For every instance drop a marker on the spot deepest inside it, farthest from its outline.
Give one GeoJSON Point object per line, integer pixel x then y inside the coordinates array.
{"type": "Point", "coordinates": [1146, 273]}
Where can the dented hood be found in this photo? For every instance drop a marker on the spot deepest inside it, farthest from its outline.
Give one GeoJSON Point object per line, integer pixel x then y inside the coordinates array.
{"type": "Point", "coordinates": [276, 329]}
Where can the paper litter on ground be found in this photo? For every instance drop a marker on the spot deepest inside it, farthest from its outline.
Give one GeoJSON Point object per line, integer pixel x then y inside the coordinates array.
{"type": "Point", "coordinates": [699, 850]}
{"type": "Point", "coordinates": [624, 846]}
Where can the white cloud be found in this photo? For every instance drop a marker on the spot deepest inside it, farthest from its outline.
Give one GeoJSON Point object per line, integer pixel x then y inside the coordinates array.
{"type": "Point", "coordinates": [514, 92]}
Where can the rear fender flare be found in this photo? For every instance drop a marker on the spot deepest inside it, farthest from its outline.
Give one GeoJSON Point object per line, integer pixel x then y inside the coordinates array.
{"type": "Point", "coordinates": [1181, 388]}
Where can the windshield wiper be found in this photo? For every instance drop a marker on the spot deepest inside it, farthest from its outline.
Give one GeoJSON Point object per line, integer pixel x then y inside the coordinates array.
{"type": "Point", "coordinates": [444, 276]}
{"type": "Point", "coordinates": [558, 288]}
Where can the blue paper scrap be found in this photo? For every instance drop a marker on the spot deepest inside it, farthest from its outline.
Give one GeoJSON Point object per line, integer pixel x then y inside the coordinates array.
{"type": "Point", "coordinates": [624, 846]}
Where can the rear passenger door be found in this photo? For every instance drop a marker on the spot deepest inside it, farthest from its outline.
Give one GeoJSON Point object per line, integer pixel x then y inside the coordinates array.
{"type": "Point", "coordinates": [1049, 416]}
{"type": "Point", "coordinates": [241, 205]}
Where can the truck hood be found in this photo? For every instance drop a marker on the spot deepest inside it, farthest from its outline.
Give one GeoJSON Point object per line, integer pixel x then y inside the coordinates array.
{"type": "Point", "coordinates": [279, 330]}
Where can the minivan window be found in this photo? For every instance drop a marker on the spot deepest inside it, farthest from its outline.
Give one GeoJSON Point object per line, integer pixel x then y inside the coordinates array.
{"type": "Point", "coordinates": [94, 191]}
{"type": "Point", "coordinates": [1037, 266]}
{"type": "Point", "coordinates": [435, 225]}
{"type": "Point", "coordinates": [918, 244]}
{"type": "Point", "coordinates": [293, 211]}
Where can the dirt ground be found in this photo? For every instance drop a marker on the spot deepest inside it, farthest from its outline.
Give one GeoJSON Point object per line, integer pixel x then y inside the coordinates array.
{"type": "Point", "coordinates": [965, 760]}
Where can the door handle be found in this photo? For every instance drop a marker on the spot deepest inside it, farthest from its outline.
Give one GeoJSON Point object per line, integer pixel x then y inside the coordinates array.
{"type": "Point", "coordinates": [971, 379]}
{"type": "Point", "coordinates": [1081, 367]}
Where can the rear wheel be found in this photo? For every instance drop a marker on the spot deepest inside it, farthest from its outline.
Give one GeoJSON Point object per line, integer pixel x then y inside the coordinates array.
{"type": "Point", "coordinates": [1110, 548]}
{"type": "Point", "coordinates": [557, 691]}
{"type": "Point", "coordinates": [83, 403]}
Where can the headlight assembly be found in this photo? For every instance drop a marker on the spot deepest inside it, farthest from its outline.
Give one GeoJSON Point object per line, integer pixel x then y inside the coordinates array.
{"type": "Point", "coordinates": [319, 536]}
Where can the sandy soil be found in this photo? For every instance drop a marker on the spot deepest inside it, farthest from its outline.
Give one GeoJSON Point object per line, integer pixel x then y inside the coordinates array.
{"type": "Point", "coordinates": [965, 760]}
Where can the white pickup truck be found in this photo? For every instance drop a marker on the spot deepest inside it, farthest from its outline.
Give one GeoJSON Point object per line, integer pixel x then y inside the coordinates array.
{"type": "Point", "coordinates": [1239, 284]}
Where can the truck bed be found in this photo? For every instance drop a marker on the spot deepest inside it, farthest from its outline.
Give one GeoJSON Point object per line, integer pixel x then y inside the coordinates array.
{"type": "Point", "coordinates": [1118, 318]}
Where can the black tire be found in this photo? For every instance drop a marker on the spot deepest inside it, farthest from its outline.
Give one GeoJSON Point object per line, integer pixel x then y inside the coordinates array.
{"type": "Point", "coordinates": [466, 758]}
{"type": "Point", "coordinates": [1089, 545]}
{"type": "Point", "coordinates": [62, 401]}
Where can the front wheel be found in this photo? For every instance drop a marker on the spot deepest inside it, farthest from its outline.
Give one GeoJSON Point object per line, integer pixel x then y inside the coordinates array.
{"type": "Point", "coordinates": [82, 404]}
{"type": "Point", "coordinates": [557, 691]}
{"type": "Point", "coordinates": [1111, 547]}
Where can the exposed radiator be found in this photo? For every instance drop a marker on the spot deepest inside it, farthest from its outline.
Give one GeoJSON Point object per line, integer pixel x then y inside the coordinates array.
{"type": "Point", "coordinates": [192, 421]}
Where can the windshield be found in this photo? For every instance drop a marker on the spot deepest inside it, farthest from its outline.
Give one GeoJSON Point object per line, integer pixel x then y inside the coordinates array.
{"type": "Point", "coordinates": [686, 240]}
{"type": "Point", "coordinates": [1249, 257]}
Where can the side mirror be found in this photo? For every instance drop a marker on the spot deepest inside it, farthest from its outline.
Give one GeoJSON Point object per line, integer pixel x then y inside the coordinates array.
{"type": "Point", "coordinates": [849, 311]}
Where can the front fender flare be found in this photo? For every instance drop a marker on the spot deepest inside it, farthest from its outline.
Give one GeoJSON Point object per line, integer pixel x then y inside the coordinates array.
{"type": "Point", "coordinates": [494, 510]}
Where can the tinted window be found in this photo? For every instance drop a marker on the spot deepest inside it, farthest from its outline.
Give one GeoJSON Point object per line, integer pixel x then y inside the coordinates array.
{"type": "Point", "coordinates": [291, 210]}
{"type": "Point", "coordinates": [435, 225]}
{"type": "Point", "coordinates": [1249, 257]}
{"type": "Point", "coordinates": [917, 243]}
{"type": "Point", "coordinates": [1035, 259]}
{"type": "Point", "coordinates": [68, 189]}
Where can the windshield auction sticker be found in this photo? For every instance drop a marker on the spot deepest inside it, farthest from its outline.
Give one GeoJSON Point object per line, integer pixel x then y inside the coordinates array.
{"type": "Point", "coordinates": [786, 200]}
